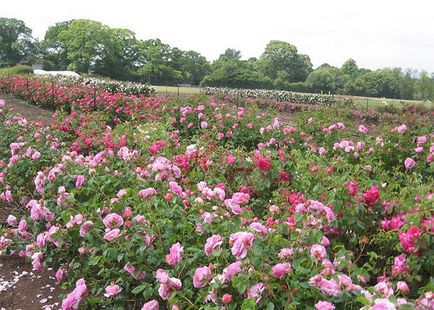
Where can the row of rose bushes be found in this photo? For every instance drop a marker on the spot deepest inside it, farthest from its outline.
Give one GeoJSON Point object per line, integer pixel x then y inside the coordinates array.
{"type": "Point", "coordinates": [112, 86]}
{"type": "Point", "coordinates": [56, 94]}
{"type": "Point", "coordinates": [211, 206]}
{"type": "Point", "coordinates": [278, 95]}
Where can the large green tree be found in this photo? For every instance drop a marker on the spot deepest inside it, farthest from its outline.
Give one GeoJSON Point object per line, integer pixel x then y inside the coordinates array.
{"type": "Point", "coordinates": [16, 41]}
{"type": "Point", "coordinates": [230, 71]}
{"type": "Point", "coordinates": [281, 61]}
{"type": "Point", "coordinates": [326, 79]}
{"type": "Point", "coordinates": [86, 42]}
{"type": "Point", "coordinates": [54, 49]}
{"type": "Point", "coordinates": [156, 65]}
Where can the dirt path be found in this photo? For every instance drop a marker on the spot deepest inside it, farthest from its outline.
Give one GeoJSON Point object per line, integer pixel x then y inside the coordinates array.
{"type": "Point", "coordinates": [20, 287]}
{"type": "Point", "coordinates": [28, 111]}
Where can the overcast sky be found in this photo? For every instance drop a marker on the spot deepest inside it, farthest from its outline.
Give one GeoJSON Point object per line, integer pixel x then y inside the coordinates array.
{"type": "Point", "coordinates": [376, 33]}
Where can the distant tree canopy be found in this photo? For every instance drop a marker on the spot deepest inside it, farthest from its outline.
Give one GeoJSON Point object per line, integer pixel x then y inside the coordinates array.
{"type": "Point", "coordinates": [16, 41]}
{"type": "Point", "coordinates": [90, 47]}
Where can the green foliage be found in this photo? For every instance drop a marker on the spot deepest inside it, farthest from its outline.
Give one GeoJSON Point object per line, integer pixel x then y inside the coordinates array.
{"type": "Point", "coordinates": [281, 61]}
{"type": "Point", "coordinates": [20, 69]}
{"type": "Point", "coordinates": [16, 41]}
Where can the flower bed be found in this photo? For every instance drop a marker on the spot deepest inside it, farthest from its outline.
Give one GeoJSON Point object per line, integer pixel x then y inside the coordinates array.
{"type": "Point", "coordinates": [277, 95]}
{"type": "Point", "coordinates": [209, 206]}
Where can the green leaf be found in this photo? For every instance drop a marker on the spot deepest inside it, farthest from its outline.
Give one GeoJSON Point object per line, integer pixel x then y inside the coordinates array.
{"type": "Point", "coordinates": [362, 300]}
{"type": "Point", "coordinates": [138, 289]}
{"type": "Point", "coordinates": [248, 304]}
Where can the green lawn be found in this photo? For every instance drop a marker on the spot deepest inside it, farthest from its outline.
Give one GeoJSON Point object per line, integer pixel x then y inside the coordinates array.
{"type": "Point", "coordinates": [176, 89]}
{"type": "Point", "coordinates": [361, 102]}
{"type": "Point", "coordinates": [381, 102]}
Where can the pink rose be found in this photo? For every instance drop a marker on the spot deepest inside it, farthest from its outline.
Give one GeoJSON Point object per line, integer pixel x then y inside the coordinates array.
{"type": "Point", "coordinates": [330, 287]}
{"type": "Point", "coordinates": [112, 290]}
{"type": "Point", "coordinates": [212, 243]}
{"type": "Point", "coordinates": [318, 251]}
{"type": "Point", "coordinates": [113, 220]}
{"type": "Point", "coordinates": [409, 163]}
{"type": "Point", "coordinates": [151, 305]}
{"type": "Point", "coordinates": [403, 287]}
{"type": "Point", "coordinates": [363, 130]}
{"type": "Point", "coordinates": [175, 253]}
{"type": "Point", "coordinates": [324, 305]}
{"type": "Point", "coordinates": [147, 192]}
{"type": "Point", "coordinates": [79, 181]}
{"type": "Point", "coordinates": [201, 276]}
{"type": "Point", "coordinates": [85, 227]}
{"type": "Point", "coordinates": [60, 273]}
{"type": "Point", "coordinates": [285, 253]}
{"type": "Point", "coordinates": [256, 291]}
{"type": "Point", "coordinates": [11, 220]}
{"type": "Point", "coordinates": [73, 299]}
{"type": "Point", "coordinates": [112, 234]}
{"type": "Point", "coordinates": [281, 270]}
{"type": "Point", "coordinates": [371, 196]}
{"type": "Point", "coordinates": [231, 270]}
{"type": "Point", "coordinates": [242, 241]}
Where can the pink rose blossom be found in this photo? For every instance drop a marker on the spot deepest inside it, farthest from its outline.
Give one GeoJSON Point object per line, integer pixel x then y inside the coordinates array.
{"type": "Point", "coordinates": [281, 270]}
{"type": "Point", "coordinates": [231, 270]}
{"type": "Point", "coordinates": [112, 290]}
{"type": "Point", "coordinates": [256, 291]}
{"type": "Point", "coordinates": [318, 251]}
{"type": "Point", "coordinates": [201, 276]}
{"type": "Point", "coordinates": [147, 192]}
{"type": "Point", "coordinates": [151, 305]}
{"type": "Point", "coordinates": [409, 163]}
{"type": "Point", "coordinates": [242, 241]}
{"type": "Point", "coordinates": [212, 243]}
{"type": "Point", "coordinates": [324, 305]}
{"type": "Point", "coordinates": [113, 220]}
{"type": "Point", "coordinates": [175, 253]}
{"type": "Point", "coordinates": [79, 181]}
{"type": "Point", "coordinates": [112, 234]}
{"type": "Point", "coordinates": [73, 299]}
{"type": "Point", "coordinates": [402, 287]}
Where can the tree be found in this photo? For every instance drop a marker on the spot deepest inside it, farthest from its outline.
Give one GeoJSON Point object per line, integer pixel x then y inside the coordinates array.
{"type": "Point", "coordinates": [194, 67]}
{"type": "Point", "coordinates": [119, 57]}
{"type": "Point", "coordinates": [236, 73]}
{"type": "Point", "coordinates": [326, 79]}
{"type": "Point", "coordinates": [280, 60]}
{"type": "Point", "coordinates": [86, 42]}
{"type": "Point", "coordinates": [350, 67]}
{"type": "Point", "coordinates": [425, 86]}
{"type": "Point", "coordinates": [53, 49]}
{"type": "Point", "coordinates": [157, 66]}
{"type": "Point", "coordinates": [16, 42]}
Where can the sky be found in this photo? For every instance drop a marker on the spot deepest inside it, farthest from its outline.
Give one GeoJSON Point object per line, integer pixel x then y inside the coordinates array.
{"type": "Point", "coordinates": [376, 33]}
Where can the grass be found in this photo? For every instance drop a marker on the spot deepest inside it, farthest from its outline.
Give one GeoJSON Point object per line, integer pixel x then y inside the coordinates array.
{"type": "Point", "coordinates": [360, 102]}
{"type": "Point", "coordinates": [176, 89]}
{"type": "Point", "coordinates": [371, 102]}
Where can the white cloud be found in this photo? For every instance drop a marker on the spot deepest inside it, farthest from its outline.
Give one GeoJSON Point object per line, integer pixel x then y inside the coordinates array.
{"type": "Point", "coordinates": [375, 33]}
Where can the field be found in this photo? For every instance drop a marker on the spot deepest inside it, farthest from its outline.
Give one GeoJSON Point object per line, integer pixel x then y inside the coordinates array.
{"type": "Point", "coordinates": [360, 102]}
{"type": "Point", "coordinates": [201, 203]}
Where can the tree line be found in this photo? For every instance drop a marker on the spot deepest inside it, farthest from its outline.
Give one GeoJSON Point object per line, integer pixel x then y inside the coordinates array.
{"type": "Point", "coordinates": [90, 47]}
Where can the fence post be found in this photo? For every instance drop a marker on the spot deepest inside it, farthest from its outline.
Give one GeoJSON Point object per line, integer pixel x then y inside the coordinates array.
{"type": "Point", "coordinates": [367, 104]}
{"type": "Point", "coordinates": [94, 99]}
{"type": "Point", "coordinates": [178, 90]}
{"type": "Point", "coordinates": [52, 92]}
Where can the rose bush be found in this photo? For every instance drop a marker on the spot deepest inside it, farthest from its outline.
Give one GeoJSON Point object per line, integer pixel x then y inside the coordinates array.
{"type": "Point", "coordinates": [210, 206]}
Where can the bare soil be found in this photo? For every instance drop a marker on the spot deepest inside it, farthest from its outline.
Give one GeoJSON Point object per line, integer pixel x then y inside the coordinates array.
{"type": "Point", "coordinates": [31, 113]}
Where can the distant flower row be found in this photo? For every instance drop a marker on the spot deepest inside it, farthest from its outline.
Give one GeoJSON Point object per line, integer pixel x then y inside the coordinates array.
{"type": "Point", "coordinates": [278, 95]}
{"type": "Point", "coordinates": [127, 88]}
